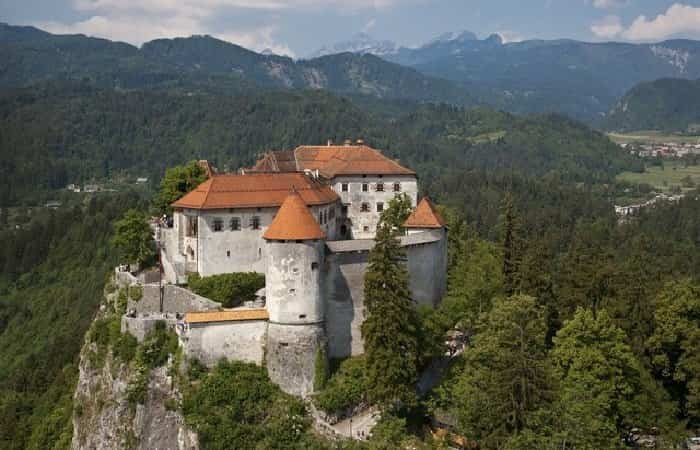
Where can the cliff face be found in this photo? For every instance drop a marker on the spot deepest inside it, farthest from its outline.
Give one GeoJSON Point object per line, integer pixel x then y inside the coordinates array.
{"type": "Point", "coordinates": [105, 414]}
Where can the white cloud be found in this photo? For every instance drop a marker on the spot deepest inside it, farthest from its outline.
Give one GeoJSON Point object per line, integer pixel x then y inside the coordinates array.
{"type": "Point", "coordinates": [608, 27]}
{"type": "Point", "coordinates": [677, 19]}
{"type": "Point", "coordinates": [369, 25]}
{"type": "Point", "coordinates": [610, 4]}
{"type": "Point", "coordinates": [138, 21]}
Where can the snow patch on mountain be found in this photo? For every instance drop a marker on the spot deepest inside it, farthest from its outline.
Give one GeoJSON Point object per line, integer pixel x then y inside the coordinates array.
{"type": "Point", "coordinates": [360, 43]}
{"type": "Point", "coordinates": [676, 58]}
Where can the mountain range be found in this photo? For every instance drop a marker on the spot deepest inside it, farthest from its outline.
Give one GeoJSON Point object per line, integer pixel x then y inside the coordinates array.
{"type": "Point", "coordinates": [582, 80]}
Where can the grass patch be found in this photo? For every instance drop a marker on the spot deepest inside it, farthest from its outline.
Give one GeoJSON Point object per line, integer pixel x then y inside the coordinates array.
{"type": "Point", "coordinates": [672, 173]}
{"type": "Point", "coordinates": [652, 137]}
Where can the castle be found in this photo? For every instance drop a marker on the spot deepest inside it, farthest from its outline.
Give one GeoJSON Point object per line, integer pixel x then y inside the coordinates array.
{"type": "Point", "coordinates": [307, 220]}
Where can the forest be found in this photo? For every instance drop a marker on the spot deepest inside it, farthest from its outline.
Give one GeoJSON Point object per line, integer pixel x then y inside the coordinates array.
{"type": "Point", "coordinates": [581, 328]}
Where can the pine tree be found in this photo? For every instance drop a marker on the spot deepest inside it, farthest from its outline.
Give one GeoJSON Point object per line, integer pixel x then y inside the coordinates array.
{"type": "Point", "coordinates": [390, 326]}
{"type": "Point", "coordinates": [511, 254]}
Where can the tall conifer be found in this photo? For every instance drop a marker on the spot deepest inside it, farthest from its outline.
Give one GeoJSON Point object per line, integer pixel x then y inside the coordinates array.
{"type": "Point", "coordinates": [511, 254]}
{"type": "Point", "coordinates": [390, 326]}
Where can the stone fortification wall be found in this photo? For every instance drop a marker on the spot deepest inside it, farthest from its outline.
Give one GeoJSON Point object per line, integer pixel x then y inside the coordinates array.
{"type": "Point", "coordinates": [427, 266]}
{"type": "Point", "coordinates": [141, 325]}
{"type": "Point", "coordinates": [344, 294]}
{"type": "Point", "coordinates": [291, 356]}
{"type": "Point", "coordinates": [293, 282]}
{"type": "Point", "coordinates": [346, 264]}
{"type": "Point", "coordinates": [175, 300]}
{"type": "Point", "coordinates": [235, 341]}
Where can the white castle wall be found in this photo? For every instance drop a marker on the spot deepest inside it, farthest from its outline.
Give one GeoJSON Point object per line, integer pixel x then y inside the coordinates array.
{"type": "Point", "coordinates": [237, 341]}
{"type": "Point", "coordinates": [355, 197]}
{"type": "Point", "coordinates": [293, 282]}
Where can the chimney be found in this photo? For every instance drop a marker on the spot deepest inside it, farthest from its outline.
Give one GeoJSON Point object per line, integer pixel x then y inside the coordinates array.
{"type": "Point", "coordinates": [360, 142]}
{"type": "Point", "coordinates": [329, 142]}
{"type": "Point", "coordinates": [348, 142]}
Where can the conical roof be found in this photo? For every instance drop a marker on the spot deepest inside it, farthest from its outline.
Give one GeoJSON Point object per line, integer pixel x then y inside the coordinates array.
{"type": "Point", "coordinates": [294, 222]}
{"type": "Point", "coordinates": [424, 216]}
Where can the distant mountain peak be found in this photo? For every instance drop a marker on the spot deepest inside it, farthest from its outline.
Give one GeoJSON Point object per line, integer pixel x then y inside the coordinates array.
{"type": "Point", "coordinates": [452, 36]}
{"type": "Point", "coordinates": [359, 43]}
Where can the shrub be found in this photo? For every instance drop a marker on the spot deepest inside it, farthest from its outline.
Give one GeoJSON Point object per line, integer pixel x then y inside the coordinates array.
{"type": "Point", "coordinates": [135, 293]}
{"type": "Point", "coordinates": [125, 347]}
{"type": "Point", "coordinates": [158, 345]}
{"type": "Point", "coordinates": [229, 289]}
{"type": "Point", "coordinates": [237, 406]}
{"type": "Point", "coordinates": [345, 388]}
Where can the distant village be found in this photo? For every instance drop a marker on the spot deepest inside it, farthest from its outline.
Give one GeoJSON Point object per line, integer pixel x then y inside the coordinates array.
{"type": "Point", "coordinates": [662, 150]}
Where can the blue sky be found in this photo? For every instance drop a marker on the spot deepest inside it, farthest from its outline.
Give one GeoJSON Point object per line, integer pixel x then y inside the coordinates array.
{"type": "Point", "coordinates": [298, 27]}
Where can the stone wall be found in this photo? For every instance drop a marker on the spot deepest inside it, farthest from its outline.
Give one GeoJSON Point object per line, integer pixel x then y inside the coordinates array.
{"type": "Point", "coordinates": [344, 294]}
{"type": "Point", "coordinates": [427, 266]}
{"type": "Point", "coordinates": [235, 341]}
{"type": "Point", "coordinates": [291, 356]}
{"type": "Point", "coordinates": [175, 300]}
{"type": "Point", "coordinates": [141, 325]}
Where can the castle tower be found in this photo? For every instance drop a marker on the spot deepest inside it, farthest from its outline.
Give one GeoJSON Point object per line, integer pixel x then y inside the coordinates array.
{"type": "Point", "coordinates": [429, 281]}
{"type": "Point", "coordinates": [295, 336]}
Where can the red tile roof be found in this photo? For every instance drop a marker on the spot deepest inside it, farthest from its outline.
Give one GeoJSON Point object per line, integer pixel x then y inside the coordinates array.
{"type": "Point", "coordinates": [332, 160]}
{"type": "Point", "coordinates": [255, 190]}
{"type": "Point", "coordinates": [336, 160]}
{"type": "Point", "coordinates": [227, 316]}
{"type": "Point", "coordinates": [294, 222]}
{"type": "Point", "coordinates": [424, 216]}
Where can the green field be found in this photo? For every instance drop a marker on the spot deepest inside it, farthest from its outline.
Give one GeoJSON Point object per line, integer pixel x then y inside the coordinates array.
{"type": "Point", "coordinates": [663, 178]}
{"type": "Point", "coordinates": [652, 137]}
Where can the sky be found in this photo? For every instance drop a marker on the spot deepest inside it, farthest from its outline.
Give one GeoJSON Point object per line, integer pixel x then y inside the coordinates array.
{"type": "Point", "coordinates": [299, 27]}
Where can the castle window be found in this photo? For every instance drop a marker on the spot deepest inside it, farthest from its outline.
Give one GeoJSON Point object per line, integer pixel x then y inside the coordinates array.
{"type": "Point", "coordinates": [191, 229]}
{"type": "Point", "coordinates": [365, 187]}
{"type": "Point", "coordinates": [343, 230]}
{"type": "Point", "coordinates": [380, 207]}
{"type": "Point", "coordinates": [397, 187]}
{"type": "Point", "coordinates": [364, 207]}
{"type": "Point", "coordinates": [331, 213]}
{"type": "Point", "coordinates": [302, 316]}
{"type": "Point", "coordinates": [235, 224]}
{"type": "Point", "coordinates": [320, 217]}
{"type": "Point", "coordinates": [325, 216]}
{"type": "Point", "coordinates": [314, 266]}
{"type": "Point", "coordinates": [228, 253]}
{"type": "Point", "coordinates": [292, 291]}
{"type": "Point", "coordinates": [344, 187]}
{"type": "Point", "coordinates": [380, 187]}
{"type": "Point", "coordinates": [255, 222]}
{"type": "Point", "coordinates": [344, 210]}
{"type": "Point", "coordinates": [365, 229]}
{"type": "Point", "coordinates": [218, 224]}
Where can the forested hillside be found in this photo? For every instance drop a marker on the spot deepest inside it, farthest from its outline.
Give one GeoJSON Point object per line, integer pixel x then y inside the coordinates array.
{"type": "Point", "coordinates": [53, 272]}
{"type": "Point", "coordinates": [55, 134]}
{"type": "Point", "coordinates": [29, 55]}
{"type": "Point", "coordinates": [667, 104]}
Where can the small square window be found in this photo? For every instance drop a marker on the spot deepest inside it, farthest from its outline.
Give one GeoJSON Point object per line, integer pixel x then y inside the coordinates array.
{"type": "Point", "coordinates": [365, 187]}
{"type": "Point", "coordinates": [228, 253]}
{"type": "Point", "coordinates": [218, 224]}
{"type": "Point", "coordinates": [380, 187]}
{"type": "Point", "coordinates": [255, 222]}
{"type": "Point", "coordinates": [314, 266]}
{"type": "Point", "coordinates": [380, 207]}
{"type": "Point", "coordinates": [344, 187]}
{"type": "Point", "coordinates": [364, 207]}
{"type": "Point", "coordinates": [365, 229]}
{"type": "Point", "coordinates": [397, 187]}
{"type": "Point", "coordinates": [235, 224]}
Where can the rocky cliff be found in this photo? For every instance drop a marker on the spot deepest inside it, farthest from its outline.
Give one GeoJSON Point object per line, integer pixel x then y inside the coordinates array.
{"type": "Point", "coordinates": [120, 400]}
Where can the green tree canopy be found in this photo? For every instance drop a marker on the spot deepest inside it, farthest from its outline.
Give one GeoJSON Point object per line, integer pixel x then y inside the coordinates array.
{"type": "Point", "coordinates": [675, 343]}
{"type": "Point", "coordinates": [177, 182]}
{"type": "Point", "coordinates": [133, 237]}
{"type": "Point", "coordinates": [505, 375]}
{"type": "Point", "coordinates": [397, 212]}
{"type": "Point", "coordinates": [390, 326]}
